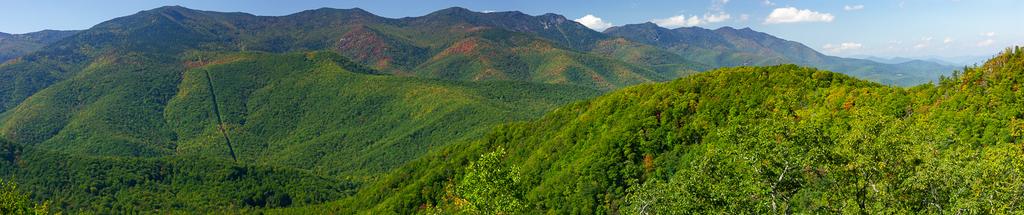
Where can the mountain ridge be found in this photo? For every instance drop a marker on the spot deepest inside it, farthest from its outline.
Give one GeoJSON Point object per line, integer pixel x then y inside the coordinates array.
{"type": "Point", "coordinates": [727, 46]}
{"type": "Point", "coordinates": [17, 45]}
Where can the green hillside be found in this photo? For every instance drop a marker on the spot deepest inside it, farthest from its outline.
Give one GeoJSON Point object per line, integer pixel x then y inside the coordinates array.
{"type": "Point", "coordinates": [788, 140]}
{"type": "Point", "coordinates": [86, 184]}
{"type": "Point", "coordinates": [304, 111]}
{"type": "Point", "coordinates": [312, 115]}
{"type": "Point", "coordinates": [503, 55]}
{"type": "Point", "coordinates": [278, 108]}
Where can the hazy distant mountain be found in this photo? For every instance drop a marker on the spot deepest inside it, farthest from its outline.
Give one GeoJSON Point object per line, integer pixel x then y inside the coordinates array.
{"type": "Point", "coordinates": [15, 45]}
{"type": "Point", "coordinates": [959, 61]}
{"type": "Point", "coordinates": [737, 47]}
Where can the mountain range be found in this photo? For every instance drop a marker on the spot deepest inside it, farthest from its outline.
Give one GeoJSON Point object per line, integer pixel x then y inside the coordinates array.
{"type": "Point", "coordinates": [14, 45]}
{"type": "Point", "coordinates": [951, 61]}
{"type": "Point", "coordinates": [343, 111]}
{"type": "Point", "coordinates": [728, 46]}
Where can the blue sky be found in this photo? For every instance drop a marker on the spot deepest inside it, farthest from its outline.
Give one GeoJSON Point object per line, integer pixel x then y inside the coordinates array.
{"type": "Point", "coordinates": [908, 28]}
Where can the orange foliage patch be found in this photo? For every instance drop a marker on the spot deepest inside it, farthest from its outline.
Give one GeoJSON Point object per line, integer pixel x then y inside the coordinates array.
{"type": "Point", "coordinates": [848, 104]}
{"type": "Point", "coordinates": [365, 45]}
{"type": "Point", "coordinates": [648, 162]}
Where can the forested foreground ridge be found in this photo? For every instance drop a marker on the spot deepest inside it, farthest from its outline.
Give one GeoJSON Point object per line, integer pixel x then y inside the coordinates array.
{"type": "Point", "coordinates": [780, 139]}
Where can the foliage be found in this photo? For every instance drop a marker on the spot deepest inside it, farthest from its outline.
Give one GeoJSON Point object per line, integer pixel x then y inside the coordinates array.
{"type": "Point", "coordinates": [490, 186]}
{"type": "Point", "coordinates": [298, 116]}
{"type": "Point", "coordinates": [787, 140]}
{"type": "Point", "coordinates": [13, 201]}
{"type": "Point", "coordinates": [157, 185]}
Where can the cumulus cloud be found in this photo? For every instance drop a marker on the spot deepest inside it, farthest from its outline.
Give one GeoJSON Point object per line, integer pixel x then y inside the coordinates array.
{"type": "Point", "coordinates": [678, 21]}
{"type": "Point", "coordinates": [744, 17]}
{"type": "Point", "coordinates": [713, 18]}
{"type": "Point", "coordinates": [842, 47]}
{"type": "Point", "coordinates": [793, 15]}
{"type": "Point", "coordinates": [947, 40]}
{"type": "Point", "coordinates": [594, 22]}
{"type": "Point", "coordinates": [768, 3]}
{"type": "Point", "coordinates": [988, 34]}
{"type": "Point", "coordinates": [853, 7]}
{"type": "Point", "coordinates": [987, 42]}
{"type": "Point", "coordinates": [683, 21]}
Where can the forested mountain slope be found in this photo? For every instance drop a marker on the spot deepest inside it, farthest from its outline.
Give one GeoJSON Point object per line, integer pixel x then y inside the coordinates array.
{"type": "Point", "coordinates": [787, 140]}
{"type": "Point", "coordinates": [276, 107]}
{"type": "Point", "coordinates": [97, 184]}
{"type": "Point", "coordinates": [410, 46]}
{"type": "Point", "coordinates": [16, 45]}
{"type": "Point", "coordinates": [316, 116]}
{"type": "Point", "coordinates": [728, 46]}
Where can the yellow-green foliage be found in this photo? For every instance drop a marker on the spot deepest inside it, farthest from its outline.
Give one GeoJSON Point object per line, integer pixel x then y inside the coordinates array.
{"type": "Point", "coordinates": [15, 202]}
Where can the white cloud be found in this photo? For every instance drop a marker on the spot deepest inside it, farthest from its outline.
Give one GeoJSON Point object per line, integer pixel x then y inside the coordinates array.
{"type": "Point", "coordinates": [678, 21]}
{"type": "Point", "coordinates": [987, 42]}
{"type": "Point", "coordinates": [793, 15]}
{"type": "Point", "coordinates": [744, 17]}
{"type": "Point", "coordinates": [947, 40]}
{"type": "Point", "coordinates": [853, 7]}
{"type": "Point", "coordinates": [594, 22]}
{"type": "Point", "coordinates": [718, 5]}
{"type": "Point", "coordinates": [683, 21]}
{"type": "Point", "coordinates": [489, 11]}
{"type": "Point", "coordinates": [988, 34]}
{"type": "Point", "coordinates": [925, 42]}
{"type": "Point", "coordinates": [842, 47]}
{"type": "Point", "coordinates": [713, 18]}
{"type": "Point", "coordinates": [769, 3]}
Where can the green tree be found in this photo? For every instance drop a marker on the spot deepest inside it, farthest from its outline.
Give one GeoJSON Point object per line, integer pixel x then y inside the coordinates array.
{"type": "Point", "coordinates": [490, 186]}
{"type": "Point", "coordinates": [13, 201]}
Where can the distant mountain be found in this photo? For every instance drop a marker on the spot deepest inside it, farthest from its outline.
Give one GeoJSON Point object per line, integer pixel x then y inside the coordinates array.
{"type": "Point", "coordinates": [949, 61]}
{"type": "Point", "coordinates": [15, 45]}
{"type": "Point", "coordinates": [892, 60]}
{"type": "Point", "coordinates": [736, 47]}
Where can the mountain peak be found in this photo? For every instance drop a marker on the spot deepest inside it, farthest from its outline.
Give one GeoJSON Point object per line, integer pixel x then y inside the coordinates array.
{"type": "Point", "coordinates": [171, 8]}
{"type": "Point", "coordinates": [454, 10]}
{"type": "Point", "coordinates": [726, 28]}
{"type": "Point", "coordinates": [648, 26]}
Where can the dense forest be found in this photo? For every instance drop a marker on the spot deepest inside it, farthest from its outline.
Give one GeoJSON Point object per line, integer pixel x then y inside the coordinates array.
{"type": "Point", "coordinates": [789, 140]}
